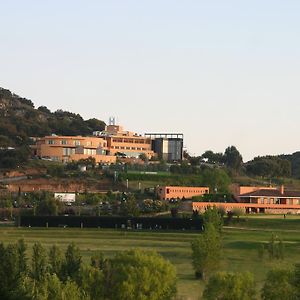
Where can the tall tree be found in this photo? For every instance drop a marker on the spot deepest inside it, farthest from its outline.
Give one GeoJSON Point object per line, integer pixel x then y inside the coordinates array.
{"type": "Point", "coordinates": [39, 262]}
{"type": "Point", "coordinates": [73, 261]}
{"type": "Point", "coordinates": [56, 261]}
{"type": "Point", "coordinates": [213, 216]}
{"type": "Point", "coordinates": [206, 252]}
{"type": "Point", "coordinates": [233, 159]}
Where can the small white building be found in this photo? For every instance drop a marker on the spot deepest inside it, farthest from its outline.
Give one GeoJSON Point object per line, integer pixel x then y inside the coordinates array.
{"type": "Point", "coordinates": [65, 197]}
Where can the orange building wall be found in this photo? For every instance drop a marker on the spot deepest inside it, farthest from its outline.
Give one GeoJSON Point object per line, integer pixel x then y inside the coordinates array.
{"type": "Point", "coordinates": [169, 192]}
{"type": "Point", "coordinates": [53, 147]}
{"type": "Point", "coordinates": [129, 144]}
{"type": "Point", "coordinates": [254, 207]}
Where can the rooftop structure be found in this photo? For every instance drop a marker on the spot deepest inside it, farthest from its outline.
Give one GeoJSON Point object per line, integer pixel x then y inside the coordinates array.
{"type": "Point", "coordinates": [167, 146]}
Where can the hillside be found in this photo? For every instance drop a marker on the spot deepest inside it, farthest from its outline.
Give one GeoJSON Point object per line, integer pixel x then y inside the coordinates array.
{"type": "Point", "coordinates": [20, 120]}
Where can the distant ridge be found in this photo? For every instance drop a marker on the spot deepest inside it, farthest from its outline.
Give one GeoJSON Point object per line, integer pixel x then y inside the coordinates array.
{"type": "Point", "coordinates": [19, 120]}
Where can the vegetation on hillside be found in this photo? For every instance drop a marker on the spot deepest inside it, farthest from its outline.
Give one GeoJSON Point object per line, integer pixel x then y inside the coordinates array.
{"type": "Point", "coordinates": [20, 120]}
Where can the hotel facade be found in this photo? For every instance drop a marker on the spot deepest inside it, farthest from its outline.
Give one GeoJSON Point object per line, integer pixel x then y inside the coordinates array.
{"type": "Point", "coordinates": [104, 146]}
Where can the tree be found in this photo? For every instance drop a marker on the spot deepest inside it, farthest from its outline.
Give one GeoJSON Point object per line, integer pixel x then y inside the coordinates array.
{"type": "Point", "coordinates": [233, 159]}
{"type": "Point", "coordinates": [56, 261]}
{"type": "Point", "coordinates": [44, 109]}
{"type": "Point", "coordinates": [230, 286]}
{"type": "Point", "coordinates": [206, 252]}
{"type": "Point", "coordinates": [72, 291]}
{"type": "Point", "coordinates": [279, 285]}
{"type": "Point", "coordinates": [212, 216]}
{"type": "Point", "coordinates": [9, 270]}
{"type": "Point", "coordinates": [92, 282]}
{"type": "Point", "coordinates": [217, 180]}
{"type": "Point", "coordinates": [22, 259]}
{"type": "Point", "coordinates": [39, 262]}
{"type": "Point", "coordinates": [130, 206]}
{"type": "Point", "coordinates": [49, 206]}
{"type": "Point", "coordinates": [55, 286]}
{"type": "Point", "coordinates": [139, 275]}
{"type": "Point", "coordinates": [72, 262]}
{"type": "Point", "coordinates": [95, 124]}
{"type": "Point", "coordinates": [213, 157]}
{"type": "Point", "coordinates": [269, 166]}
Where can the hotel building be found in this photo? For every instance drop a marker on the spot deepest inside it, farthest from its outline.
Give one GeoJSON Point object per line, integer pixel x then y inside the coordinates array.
{"type": "Point", "coordinates": [73, 148]}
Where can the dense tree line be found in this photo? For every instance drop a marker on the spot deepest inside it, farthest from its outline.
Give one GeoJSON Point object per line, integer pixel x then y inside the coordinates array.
{"type": "Point", "coordinates": [20, 120]}
{"type": "Point", "coordinates": [269, 167]}
{"type": "Point", "coordinates": [54, 275]}
{"type": "Point", "coordinates": [294, 160]}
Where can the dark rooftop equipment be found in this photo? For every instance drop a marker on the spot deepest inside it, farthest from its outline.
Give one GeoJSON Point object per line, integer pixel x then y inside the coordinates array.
{"type": "Point", "coordinates": [168, 146]}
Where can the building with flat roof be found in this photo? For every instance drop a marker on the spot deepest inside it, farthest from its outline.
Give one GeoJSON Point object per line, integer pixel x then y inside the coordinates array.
{"type": "Point", "coordinates": [175, 192]}
{"type": "Point", "coordinates": [125, 142]}
{"type": "Point", "coordinates": [260, 200]}
{"type": "Point", "coordinates": [73, 148]}
{"type": "Point", "coordinates": [167, 146]}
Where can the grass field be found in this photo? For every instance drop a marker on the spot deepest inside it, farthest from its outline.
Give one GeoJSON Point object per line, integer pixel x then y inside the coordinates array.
{"type": "Point", "coordinates": [240, 246]}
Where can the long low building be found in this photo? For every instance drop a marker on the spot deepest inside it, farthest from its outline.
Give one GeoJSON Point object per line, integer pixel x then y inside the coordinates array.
{"type": "Point", "coordinates": [260, 200]}
{"type": "Point", "coordinates": [179, 192]}
{"type": "Point", "coordinates": [250, 207]}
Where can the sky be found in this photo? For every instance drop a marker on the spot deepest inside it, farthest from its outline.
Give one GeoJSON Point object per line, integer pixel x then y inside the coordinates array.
{"type": "Point", "coordinates": [220, 72]}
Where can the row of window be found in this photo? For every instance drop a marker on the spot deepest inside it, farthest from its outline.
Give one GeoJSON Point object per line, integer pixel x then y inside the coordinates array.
{"type": "Point", "coordinates": [129, 148]}
{"type": "Point", "coordinates": [75, 143]}
{"type": "Point", "coordinates": [277, 201]}
{"type": "Point", "coordinates": [135, 141]}
{"type": "Point", "coordinates": [187, 191]}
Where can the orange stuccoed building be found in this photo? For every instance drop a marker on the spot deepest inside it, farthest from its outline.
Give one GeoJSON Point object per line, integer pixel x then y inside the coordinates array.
{"type": "Point", "coordinates": [73, 148]}
{"type": "Point", "coordinates": [270, 200]}
{"type": "Point", "coordinates": [179, 192]}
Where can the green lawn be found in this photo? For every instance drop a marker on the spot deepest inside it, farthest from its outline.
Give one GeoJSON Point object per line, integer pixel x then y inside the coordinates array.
{"type": "Point", "coordinates": [240, 246]}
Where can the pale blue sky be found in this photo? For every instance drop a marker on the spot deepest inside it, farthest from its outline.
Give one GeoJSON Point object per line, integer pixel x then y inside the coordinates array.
{"type": "Point", "coordinates": [222, 72]}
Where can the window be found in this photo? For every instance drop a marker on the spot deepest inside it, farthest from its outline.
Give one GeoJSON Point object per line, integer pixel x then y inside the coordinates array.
{"type": "Point", "coordinates": [64, 142]}
{"type": "Point", "coordinates": [68, 151]}
{"type": "Point", "coordinates": [90, 151]}
{"type": "Point", "coordinates": [77, 143]}
{"type": "Point", "coordinates": [50, 142]}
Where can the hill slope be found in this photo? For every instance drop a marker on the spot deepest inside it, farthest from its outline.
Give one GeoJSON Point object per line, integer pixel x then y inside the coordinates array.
{"type": "Point", "coordinates": [19, 120]}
